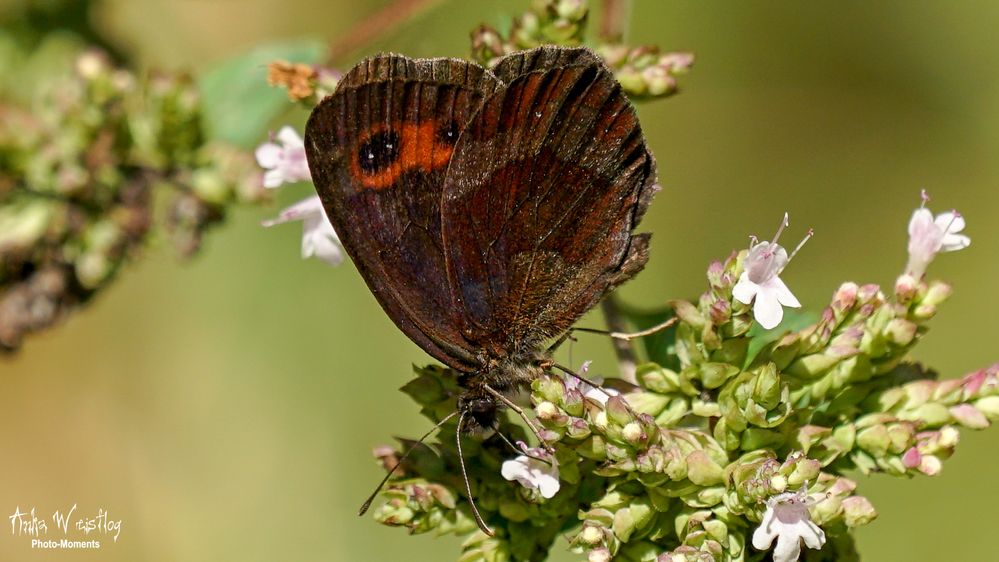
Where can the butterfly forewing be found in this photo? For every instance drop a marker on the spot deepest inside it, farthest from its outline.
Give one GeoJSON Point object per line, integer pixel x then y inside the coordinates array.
{"type": "Point", "coordinates": [378, 150]}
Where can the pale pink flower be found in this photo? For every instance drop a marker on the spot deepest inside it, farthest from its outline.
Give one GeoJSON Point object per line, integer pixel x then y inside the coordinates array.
{"type": "Point", "coordinates": [760, 280]}
{"type": "Point", "coordinates": [318, 237]}
{"type": "Point", "coordinates": [929, 235]}
{"type": "Point", "coordinates": [285, 160]}
{"type": "Point", "coordinates": [536, 469]}
{"type": "Point", "coordinates": [787, 520]}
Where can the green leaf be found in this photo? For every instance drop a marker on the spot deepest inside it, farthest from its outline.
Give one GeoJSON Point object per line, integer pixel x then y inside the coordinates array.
{"type": "Point", "coordinates": [658, 347]}
{"type": "Point", "coordinates": [759, 337]}
{"type": "Point", "coordinates": [238, 103]}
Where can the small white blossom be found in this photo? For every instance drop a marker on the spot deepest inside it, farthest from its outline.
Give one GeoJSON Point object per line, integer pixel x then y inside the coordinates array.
{"type": "Point", "coordinates": [929, 236]}
{"type": "Point", "coordinates": [284, 162]}
{"type": "Point", "coordinates": [318, 237]}
{"type": "Point", "coordinates": [760, 280]}
{"type": "Point", "coordinates": [787, 519]}
{"type": "Point", "coordinates": [536, 469]}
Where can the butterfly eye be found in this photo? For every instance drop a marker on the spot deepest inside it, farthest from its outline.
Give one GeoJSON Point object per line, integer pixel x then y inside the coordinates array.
{"type": "Point", "coordinates": [379, 151]}
{"type": "Point", "coordinates": [448, 133]}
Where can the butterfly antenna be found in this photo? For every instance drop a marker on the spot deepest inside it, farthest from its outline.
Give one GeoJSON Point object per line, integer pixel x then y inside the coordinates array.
{"type": "Point", "coordinates": [468, 487]}
{"type": "Point", "coordinates": [520, 411]}
{"type": "Point", "coordinates": [371, 498]}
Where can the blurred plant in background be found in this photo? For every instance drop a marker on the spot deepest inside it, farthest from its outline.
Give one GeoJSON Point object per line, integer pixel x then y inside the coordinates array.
{"type": "Point", "coordinates": [93, 157]}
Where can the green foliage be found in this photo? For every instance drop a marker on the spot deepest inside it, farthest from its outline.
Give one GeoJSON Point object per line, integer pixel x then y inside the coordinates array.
{"type": "Point", "coordinates": [688, 464]}
{"type": "Point", "coordinates": [239, 106]}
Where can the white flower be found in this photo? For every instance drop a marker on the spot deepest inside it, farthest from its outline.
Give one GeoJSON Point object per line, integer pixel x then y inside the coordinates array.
{"type": "Point", "coordinates": [318, 237]}
{"type": "Point", "coordinates": [787, 520]}
{"type": "Point", "coordinates": [929, 236]}
{"type": "Point", "coordinates": [760, 280]}
{"type": "Point", "coordinates": [284, 162]}
{"type": "Point", "coordinates": [536, 469]}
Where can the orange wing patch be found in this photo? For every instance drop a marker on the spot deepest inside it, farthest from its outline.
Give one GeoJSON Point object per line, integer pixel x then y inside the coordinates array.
{"type": "Point", "coordinates": [385, 153]}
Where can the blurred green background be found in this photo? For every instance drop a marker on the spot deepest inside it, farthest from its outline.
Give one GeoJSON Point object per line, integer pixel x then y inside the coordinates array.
{"type": "Point", "coordinates": [225, 409]}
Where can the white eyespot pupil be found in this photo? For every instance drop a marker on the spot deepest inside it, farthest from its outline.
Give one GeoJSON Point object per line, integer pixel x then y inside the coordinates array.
{"type": "Point", "coordinates": [371, 156]}
{"type": "Point", "coordinates": [389, 145]}
{"type": "Point", "coordinates": [537, 114]}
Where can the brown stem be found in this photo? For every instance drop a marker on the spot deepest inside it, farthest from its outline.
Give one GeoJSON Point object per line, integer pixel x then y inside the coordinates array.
{"type": "Point", "coordinates": [614, 20]}
{"type": "Point", "coordinates": [626, 358]}
{"type": "Point", "coordinates": [377, 24]}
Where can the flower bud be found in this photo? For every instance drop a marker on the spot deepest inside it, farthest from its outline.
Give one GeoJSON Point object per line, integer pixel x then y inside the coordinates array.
{"type": "Point", "coordinates": [591, 535]}
{"type": "Point", "coordinates": [547, 411]}
{"type": "Point", "coordinates": [937, 293]}
{"type": "Point", "coordinates": [988, 406]}
{"type": "Point", "coordinates": [900, 331]}
{"type": "Point", "coordinates": [549, 388]}
{"type": "Point", "coordinates": [599, 555]}
{"type": "Point", "coordinates": [906, 287]}
{"type": "Point", "coordinates": [618, 411]}
{"type": "Point", "coordinates": [857, 511]}
{"type": "Point", "coordinates": [702, 470]}
{"type": "Point", "coordinates": [844, 298]}
{"type": "Point", "coordinates": [969, 416]}
{"type": "Point", "coordinates": [633, 433]}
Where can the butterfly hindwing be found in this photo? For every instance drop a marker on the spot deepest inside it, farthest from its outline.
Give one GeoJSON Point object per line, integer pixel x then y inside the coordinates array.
{"type": "Point", "coordinates": [544, 188]}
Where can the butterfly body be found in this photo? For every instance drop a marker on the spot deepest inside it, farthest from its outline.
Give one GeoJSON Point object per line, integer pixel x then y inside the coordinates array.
{"type": "Point", "coordinates": [487, 210]}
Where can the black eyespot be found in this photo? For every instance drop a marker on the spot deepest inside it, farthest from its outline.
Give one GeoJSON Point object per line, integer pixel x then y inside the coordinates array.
{"type": "Point", "coordinates": [379, 152]}
{"type": "Point", "coordinates": [448, 133]}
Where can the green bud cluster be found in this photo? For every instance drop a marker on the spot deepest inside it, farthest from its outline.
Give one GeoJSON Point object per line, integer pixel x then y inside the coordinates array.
{"type": "Point", "coordinates": [525, 524]}
{"type": "Point", "coordinates": [559, 22]}
{"type": "Point", "coordinates": [646, 71]}
{"type": "Point", "coordinates": [685, 464]}
{"type": "Point", "coordinates": [81, 165]}
{"type": "Point", "coordinates": [643, 72]}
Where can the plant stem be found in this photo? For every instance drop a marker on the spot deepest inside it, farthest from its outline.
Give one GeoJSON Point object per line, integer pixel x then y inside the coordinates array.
{"type": "Point", "coordinates": [614, 20]}
{"type": "Point", "coordinates": [626, 359]}
{"type": "Point", "coordinates": [375, 25]}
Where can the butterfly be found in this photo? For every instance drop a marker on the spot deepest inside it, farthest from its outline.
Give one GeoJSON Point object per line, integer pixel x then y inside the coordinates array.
{"type": "Point", "coordinates": [486, 209]}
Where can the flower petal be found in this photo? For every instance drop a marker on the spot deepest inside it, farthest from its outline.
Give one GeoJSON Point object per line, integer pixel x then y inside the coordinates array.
{"type": "Point", "coordinates": [600, 395]}
{"type": "Point", "coordinates": [767, 309]}
{"type": "Point", "coordinates": [289, 138]}
{"type": "Point", "coordinates": [515, 469]}
{"type": "Point", "coordinates": [950, 222]}
{"type": "Point", "coordinates": [268, 155]}
{"type": "Point", "coordinates": [788, 548]}
{"type": "Point", "coordinates": [744, 290]}
{"type": "Point", "coordinates": [921, 219]}
{"type": "Point", "coordinates": [273, 178]}
{"type": "Point", "coordinates": [548, 485]}
{"type": "Point", "coordinates": [784, 295]}
{"type": "Point", "coordinates": [814, 537]}
{"type": "Point", "coordinates": [765, 534]}
{"type": "Point", "coordinates": [954, 242]}
{"type": "Point", "coordinates": [310, 206]}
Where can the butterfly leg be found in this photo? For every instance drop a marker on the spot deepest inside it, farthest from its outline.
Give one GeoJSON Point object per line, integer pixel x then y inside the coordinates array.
{"type": "Point", "coordinates": [580, 377]}
{"type": "Point", "coordinates": [506, 440]}
{"type": "Point", "coordinates": [520, 411]}
{"type": "Point", "coordinates": [628, 336]}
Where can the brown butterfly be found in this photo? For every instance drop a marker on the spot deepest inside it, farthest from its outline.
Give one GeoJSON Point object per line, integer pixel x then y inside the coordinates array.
{"type": "Point", "coordinates": [487, 210]}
